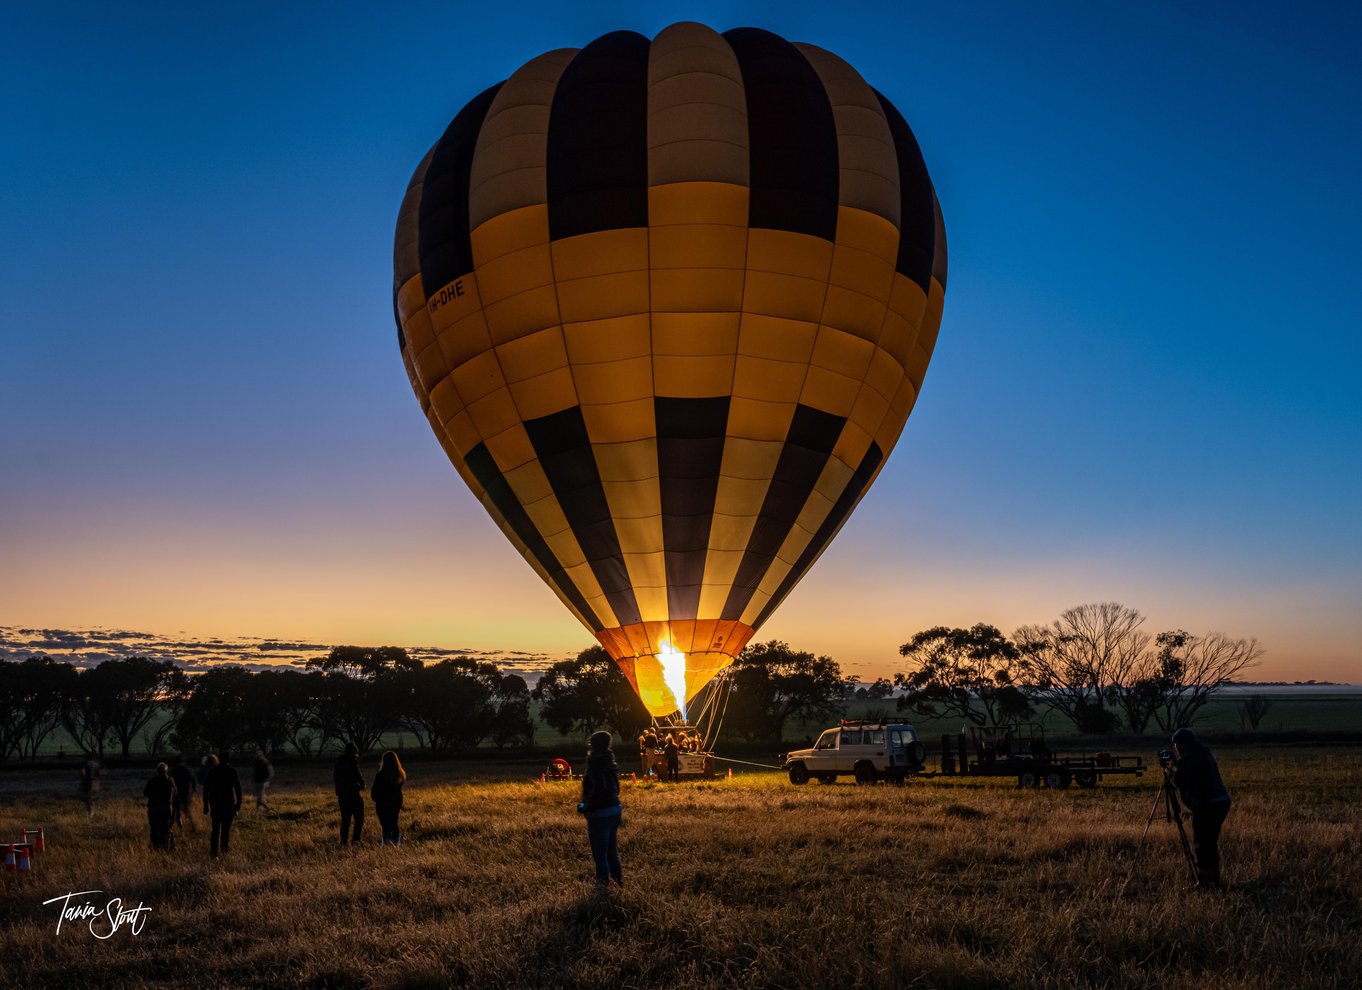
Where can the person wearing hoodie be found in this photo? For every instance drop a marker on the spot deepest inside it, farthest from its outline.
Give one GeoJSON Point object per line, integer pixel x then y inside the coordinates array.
{"type": "Point", "coordinates": [601, 805]}
{"type": "Point", "coordinates": [222, 796]}
{"type": "Point", "coordinates": [185, 786]}
{"type": "Point", "coordinates": [1197, 778]}
{"type": "Point", "coordinates": [350, 794]}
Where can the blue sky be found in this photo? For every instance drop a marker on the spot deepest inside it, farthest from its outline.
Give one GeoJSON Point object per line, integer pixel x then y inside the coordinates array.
{"type": "Point", "coordinates": [1143, 388]}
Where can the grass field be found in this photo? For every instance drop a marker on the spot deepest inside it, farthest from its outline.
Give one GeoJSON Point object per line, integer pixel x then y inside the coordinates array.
{"type": "Point", "coordinates": [750, 882]}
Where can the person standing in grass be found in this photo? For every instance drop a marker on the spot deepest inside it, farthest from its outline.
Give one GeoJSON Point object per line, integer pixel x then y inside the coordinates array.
{"type": "Point", "coordinates": [185, 786]}
{"type": "Point", "coordinates": [601, 806]}
{"type": "Point", "coordinates": [673, 753]}
{"type": "Point", "coordinates": [261, 774]}
{"type": "Point", "coordinates": [350, 793]}
{"type": "Point", "coordinates": [222, 797]}
{"type": "Point", "coordinates": [1197, 778]}
{"type": "Point", "coordinates": [160, 794]}
{"type": "Point", "coordinates": [387, 795]}
{"type": "Point", "coordinates": [89, 784]}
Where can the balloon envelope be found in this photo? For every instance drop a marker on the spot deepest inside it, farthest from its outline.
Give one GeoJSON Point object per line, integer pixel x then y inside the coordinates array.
{"type": "Point", "coordinates": [667, 305]}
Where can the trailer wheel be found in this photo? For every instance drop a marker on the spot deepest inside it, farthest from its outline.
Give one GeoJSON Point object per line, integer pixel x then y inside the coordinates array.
{"type": "Point", "coordinates": [826, 778]}
{"type": "Point", "coordinates": [799, 774]}
{"type": "Point", "coordinates": [1086, 778]}
{"type": "Point", "coordinates": [1028, 778]}
{"type": "Point", "coordinates": [1057, 779]}
{"type": "Point", "coordinates": [865, 773]}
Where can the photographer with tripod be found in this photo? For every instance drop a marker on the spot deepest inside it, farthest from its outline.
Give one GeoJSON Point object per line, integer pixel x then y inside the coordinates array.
{"type": "Point", "coordinates": [1194, 772]}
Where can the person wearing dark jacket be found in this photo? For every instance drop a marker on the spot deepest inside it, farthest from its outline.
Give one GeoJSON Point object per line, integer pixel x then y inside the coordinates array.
{"type": "Point", "coordinates": [601, 806]}
{"type": "Point", "coordinates": [185, 786]}
{"type": "Point", "coordinates": [350, 793]}
{"type": "Point", "coordinates": [387, 795]}
{"type": "Point", "coordinates": [222, 795]}
{"type": "Point", "coordinates": [1197, 778]}
{"type": "Point", "coordinates": [673, 754]}
{"type": "Point", "coordinates": [160, 794]}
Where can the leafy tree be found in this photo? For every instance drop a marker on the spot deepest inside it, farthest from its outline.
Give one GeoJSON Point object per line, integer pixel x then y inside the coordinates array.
{"type": "Point", "coordinates": [1074, 662]}
{"type": "Point", "coordinates": [588, 693]}
{"type": "Point", "coordinates": [363, 662]}
{"type": "Point", "coordinates": [512, 724]}
{"type": "Point", "coordinates": [84, 715]}
{"type": "Point", "coordinates": [771, 683]}
{"type": "Point", "coordinates": [961, 671]}
{"type": "Point", "coordinates": [446, 705]}
{"type": "Point", "coordinates": [214, 715]}
{"type": "Point", "coordinates": [131, 691]}
{"type": "Point", "coordinates": [277, 708]}
{"type": "Point", "coordinates": [1190, 668]}
{"type": "Point", "coordinates": [356, 711]}
{"type": "Point", "coordinates": [31, 693]}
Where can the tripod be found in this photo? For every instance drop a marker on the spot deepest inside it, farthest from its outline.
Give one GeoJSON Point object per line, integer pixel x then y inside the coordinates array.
{"type": "Point", "coordinates": [1167, 806]}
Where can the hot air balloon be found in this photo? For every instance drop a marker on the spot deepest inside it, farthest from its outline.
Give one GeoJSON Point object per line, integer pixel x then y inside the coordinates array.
{"type": "Point", "coordinates": [667, 304]}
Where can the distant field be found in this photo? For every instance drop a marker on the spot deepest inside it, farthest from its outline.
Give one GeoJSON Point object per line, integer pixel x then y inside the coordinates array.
{"type": "Point", "coordinates": [751, 883]}
{"type": "Point", "coordinates": [1293, 710]}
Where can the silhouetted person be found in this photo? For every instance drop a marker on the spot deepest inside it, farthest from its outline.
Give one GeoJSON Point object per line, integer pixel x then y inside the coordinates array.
{"type": "Point", "coordinates": [160, 794]}
{"type": "Point", "coordinates": [185, 786]}
{"type": "Point", "coordinates": [601, 806]}
{"type": "Point", "coordinates": [261, 775]}
{"type": "Point", "coordinates": [222, 795]}
{"type": "Point", "coordinates": [206, 766]}
{"type": "Point", "coordinates": [350, 793]}
{"type": "Point", "coordinates": [1197, 778]}
{"type": "Point", "coordinates": [387, 795]}
{"type": "Point", "coordinates": [89, 784]}
{"type": "Point", "coordinates": [673, 754]}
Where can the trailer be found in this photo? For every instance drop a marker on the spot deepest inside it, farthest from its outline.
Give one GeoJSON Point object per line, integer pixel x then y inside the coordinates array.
{"type": "Point", "coordinates": [1019, 750]}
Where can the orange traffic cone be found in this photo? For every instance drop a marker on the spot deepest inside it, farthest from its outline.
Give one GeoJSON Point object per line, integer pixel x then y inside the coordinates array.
{"type": "Point", "coordinates": [34, 836]}
{"type": "Point", "coordinates": [730, 773]}
{"type": "Point", "coordinates": [634, 775]}
{"type": "Point", "coordinates": [543, 777]}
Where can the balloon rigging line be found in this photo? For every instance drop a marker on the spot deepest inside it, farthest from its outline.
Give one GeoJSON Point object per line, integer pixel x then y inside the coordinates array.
{"type": "Point", "coordinates": [748, 763]}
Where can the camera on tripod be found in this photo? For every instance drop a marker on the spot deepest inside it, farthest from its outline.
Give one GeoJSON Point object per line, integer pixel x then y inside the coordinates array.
{"type": "Point", "coordinates": [1165, 758]}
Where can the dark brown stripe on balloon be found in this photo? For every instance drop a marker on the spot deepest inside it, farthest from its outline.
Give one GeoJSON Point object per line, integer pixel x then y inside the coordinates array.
{"type": "Point", "coordinates": [690, 453]}
{"type": "Point", "coordinates": [793, 137]}
{"type": "Point", "coordinates": [485, 469]}
{"type": "Point", "coordinates": [598, 138]}
{"type": "Point", "coordinates": [836, 516]}
{"type": "Point", "coordinates": [446, 249]}
{"type": "Point", "coordinates": [917, 210]}
{"type": "Point", "coordinates": [563, 447]}
{"type": "Point", "coordinates": [808, 444]}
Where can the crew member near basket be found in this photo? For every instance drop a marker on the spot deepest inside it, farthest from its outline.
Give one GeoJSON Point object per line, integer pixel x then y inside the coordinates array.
{"type": "Point", "coordinates": [1197, 778]}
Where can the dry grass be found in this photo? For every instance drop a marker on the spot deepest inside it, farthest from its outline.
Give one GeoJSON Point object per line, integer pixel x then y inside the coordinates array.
{"type": "Point", "coordinates": [750, 883]}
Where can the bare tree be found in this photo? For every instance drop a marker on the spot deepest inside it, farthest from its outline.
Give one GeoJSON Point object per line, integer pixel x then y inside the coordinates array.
{"type": "Point", "coordinates": [1190, 668]}
{"type": "Point", "coordinates": [1075, 661]}
{"type": "Point", "coordinates": [1253, 709]}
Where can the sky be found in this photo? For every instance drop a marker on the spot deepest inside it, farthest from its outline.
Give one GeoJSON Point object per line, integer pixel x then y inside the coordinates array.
{"type": "Point", "coordinates": [1143, 391]}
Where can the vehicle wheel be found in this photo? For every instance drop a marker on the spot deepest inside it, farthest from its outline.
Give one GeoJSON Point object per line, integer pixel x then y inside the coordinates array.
{"type": "Point", "coordinates": [826, 778]}
{"type": "Point", "coordinates": [1057, 779]}
{"type": "Point", "coordinates": [865, 773]}
{"type": "Point", "coordinates": [1086, 778]}
{"type": "Point", "coordinates": [1028, 779]}
{"type": "Point", "coordinates": [799, 774]}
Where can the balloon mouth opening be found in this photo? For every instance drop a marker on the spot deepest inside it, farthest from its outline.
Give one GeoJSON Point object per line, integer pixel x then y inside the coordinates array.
{"type": "Point", "coordinates": [674, 676]}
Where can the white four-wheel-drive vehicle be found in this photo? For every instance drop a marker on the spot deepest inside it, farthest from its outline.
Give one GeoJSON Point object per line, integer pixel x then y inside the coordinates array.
{"type": "Point", "coordinates": [867, 751]}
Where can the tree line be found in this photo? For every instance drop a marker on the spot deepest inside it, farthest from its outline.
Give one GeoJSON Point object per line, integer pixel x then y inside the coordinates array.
{"type": "Point", "coordinates": [1094, 665]}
